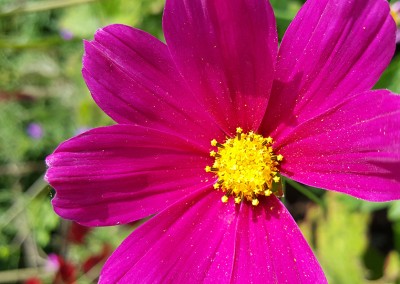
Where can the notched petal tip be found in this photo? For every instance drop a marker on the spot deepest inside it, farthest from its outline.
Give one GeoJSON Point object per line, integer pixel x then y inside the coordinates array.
{"type": "Point", "coordinates": [49, 160]}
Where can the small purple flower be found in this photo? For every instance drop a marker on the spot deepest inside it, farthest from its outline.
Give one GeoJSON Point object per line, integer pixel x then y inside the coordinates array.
{"type": "Point", "coordinates": [395, 11]}
{"type": "Point", "coordinates": [34, 130]}
{"type": "Point", "coordinates": [208, 123]}
{"type": "Point", "coordinates": [66, 34]}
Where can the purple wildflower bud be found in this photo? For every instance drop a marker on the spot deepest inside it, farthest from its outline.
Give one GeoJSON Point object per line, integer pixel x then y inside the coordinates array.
{"type": "Point", "coordinates": [66, 34]}
{"type": "Point", "coordinates": [34, 130]}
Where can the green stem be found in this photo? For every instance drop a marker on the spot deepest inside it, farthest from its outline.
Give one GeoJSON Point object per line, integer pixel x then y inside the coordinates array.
{"type": "Point", "coordinates": [42, 6]}
{"type": "Point", "coordinates": [306, 192]}
{"type": "Point", "coordinates": [18, 207]}
{"type": "Point", "coordinates": [19, 275]}
{"type": "Point", "coordinates": [43, 43]}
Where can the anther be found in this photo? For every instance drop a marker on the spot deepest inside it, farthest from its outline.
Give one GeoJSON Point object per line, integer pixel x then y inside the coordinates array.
{"type": "Point", "coordinates": [251, 135]}
{"type": "Point", "coordinates": [278, 158]}
{"type": "Point", "coordinates": [276, 179]}
{"type": "Point", "coordinates": [210, 169]}
{"type": "Point", "coordinates": [239, 133]}
{"type": "Point", "coordinates": [267, 192]}
{"type": "Point", "coordinates": [255, 202]}
{"type": "Point", "coordinates": [219, 145]}
{"type": "Point", "coordinates": [214, 154]}
{"type": "Point", "coordinates": [239, 198]}
{"type": "Point", "coordinates": [224, 199]}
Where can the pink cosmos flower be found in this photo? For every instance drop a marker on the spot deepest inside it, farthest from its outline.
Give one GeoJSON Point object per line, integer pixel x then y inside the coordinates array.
{"type": "Point", "coordinates": [221, 79]}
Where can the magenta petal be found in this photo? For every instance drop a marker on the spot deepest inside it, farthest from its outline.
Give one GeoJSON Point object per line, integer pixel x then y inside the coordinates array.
{"type": "Point", "coordinates": [133, 79]}
{"type": "Point", "coordinates": [190, 242]}
{"type": "Point", "coordinates": [226, 51]}
{"type": "Point", "coordinates": [270, 248]}
{"type": "Point", "coordinates": [331, 49]}
{"type": "Point", "coordinates": [122, 173]}
{"type": "Point", "coordinates": [202, 240]}
{"type": "Point", "coordinates": [353, 148]}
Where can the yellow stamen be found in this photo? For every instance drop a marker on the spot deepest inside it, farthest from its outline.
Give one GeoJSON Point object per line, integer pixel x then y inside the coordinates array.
{"type": "Point", "coordinates": [267, 192]}
{"type": "Point", "coordinates": [276, 179]}
{"type": "Point", "coordinates": [224, 199]}
{"type": "Point", "coordinates": [246, 167]}
{"type": "Point", "coordinates": [215, 143]}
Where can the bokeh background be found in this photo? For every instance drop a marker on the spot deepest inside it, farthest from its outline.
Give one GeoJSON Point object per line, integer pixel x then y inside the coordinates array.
{"type": "Point", "coordinates": [44, 100]}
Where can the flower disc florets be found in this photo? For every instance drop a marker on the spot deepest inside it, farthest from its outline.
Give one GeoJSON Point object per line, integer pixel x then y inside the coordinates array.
{"type": "Point", "coordinates": [246, 167]}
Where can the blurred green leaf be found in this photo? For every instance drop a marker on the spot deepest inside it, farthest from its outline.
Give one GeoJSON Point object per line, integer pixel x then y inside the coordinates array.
{"type": "Point", "coordinates": [340, 239]}
{"type": "Point", "coordinates": [84, 20]}
{"type": "Point", "coordinates": [42, 219]}
{"type": "Point", "coordinates": [362, 205]}
{"type": "Point", "coordinates": [396, 231]}
{"type": "Point", "coordinates": [16, 7]}
{"type": "Point", "coordinates": [394, 211]}
{"type": "Point", "coordinates": [390, 79]}
{"type": "Point", "coordinates": [285, 11]}
{"type": "Point", "coordinates": [374, 261]}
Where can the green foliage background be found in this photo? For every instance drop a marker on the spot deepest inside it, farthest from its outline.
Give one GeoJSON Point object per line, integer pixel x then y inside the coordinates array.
{"type": "Point", "coordinates": [40, 82]}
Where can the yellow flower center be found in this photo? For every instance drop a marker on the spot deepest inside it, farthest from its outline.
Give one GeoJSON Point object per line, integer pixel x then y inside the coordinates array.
{"type": "Point", "coordinates": [246, 167]}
